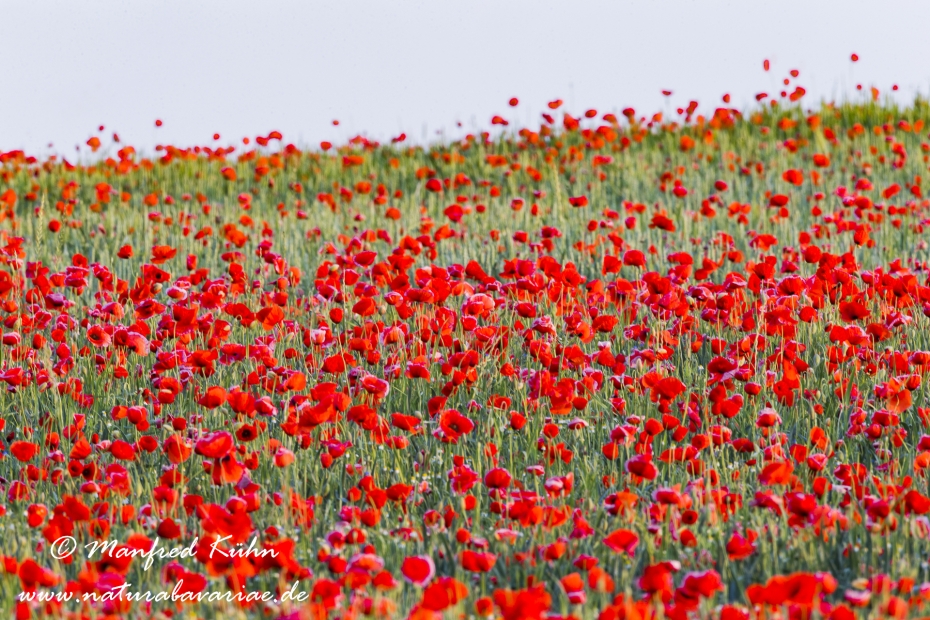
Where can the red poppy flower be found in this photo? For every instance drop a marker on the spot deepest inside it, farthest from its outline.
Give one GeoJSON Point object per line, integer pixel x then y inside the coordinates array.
{"type": "Point", "coordinates": [418, 570]}
{"type": "Point", "coordinates": [622, 541]}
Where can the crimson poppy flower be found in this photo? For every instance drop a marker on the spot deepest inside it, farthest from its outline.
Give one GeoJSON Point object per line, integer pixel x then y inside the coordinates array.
{"type": "Point", "coordinates": [622, 540]}
{"type": "Point", "coordinates": [418, 570]}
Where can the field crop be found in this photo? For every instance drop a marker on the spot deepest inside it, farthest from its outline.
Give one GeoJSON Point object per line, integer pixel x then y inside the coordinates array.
{"type": "Point", "coordinates": [615, 367]}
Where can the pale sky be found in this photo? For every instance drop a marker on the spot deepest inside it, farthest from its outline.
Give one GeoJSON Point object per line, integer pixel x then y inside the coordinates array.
{"type": "Point", "coordinates": [381, 68]}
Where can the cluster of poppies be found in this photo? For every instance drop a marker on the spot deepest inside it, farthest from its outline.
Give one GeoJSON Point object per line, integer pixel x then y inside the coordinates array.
{"type": "Point", "coordinates": [612, 367]}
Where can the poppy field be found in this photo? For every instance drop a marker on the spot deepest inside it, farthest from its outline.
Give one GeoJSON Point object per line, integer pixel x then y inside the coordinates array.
{"type": "Point", "coordinates": [617, 366]}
